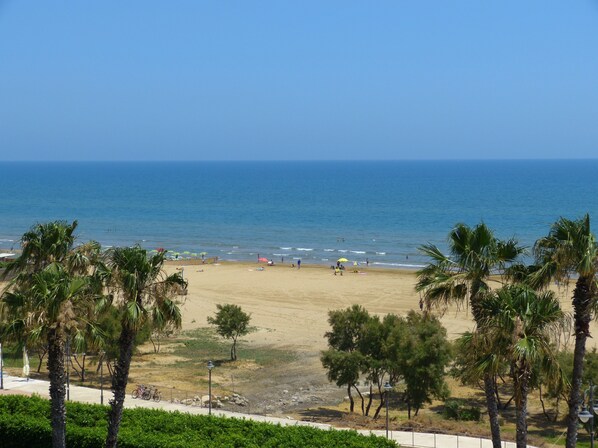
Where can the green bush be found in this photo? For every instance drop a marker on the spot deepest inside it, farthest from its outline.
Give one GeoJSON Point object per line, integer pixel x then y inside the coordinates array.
{"type": "Point", "coordinates": [454, 409]}
{"type": "Point", "coordinates": [25, 422]}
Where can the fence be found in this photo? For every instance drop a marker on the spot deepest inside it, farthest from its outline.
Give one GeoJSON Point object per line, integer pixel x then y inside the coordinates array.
{"type": "Point", "coordinates": [433, 440]}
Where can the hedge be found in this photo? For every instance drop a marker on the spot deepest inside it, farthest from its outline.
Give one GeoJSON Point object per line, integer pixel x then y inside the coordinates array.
{"type": "Point", "coordinates": [25, 422]}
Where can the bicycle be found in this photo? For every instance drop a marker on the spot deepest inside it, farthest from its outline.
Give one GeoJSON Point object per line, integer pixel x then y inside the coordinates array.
{"type": "Point", "coordinates": [147, 393]}
{"type": "Point", "coordinates": [138, 391]}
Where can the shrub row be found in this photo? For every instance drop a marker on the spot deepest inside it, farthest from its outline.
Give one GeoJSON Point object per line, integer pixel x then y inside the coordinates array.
{"type": "Point", "coordinates": [25, 422]}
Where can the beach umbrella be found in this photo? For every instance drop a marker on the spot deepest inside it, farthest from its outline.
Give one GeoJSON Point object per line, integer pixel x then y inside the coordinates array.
{"type": "Point", "coordinates": [203, 253]}
{"type": "Point", "coordinates": [263, 259]}
{"type": "Point", "coordinates": [25, 363]}
{"type": "Point", "coordinates": [187, 252]}
{"type": "Point", "coordinates": [342, 260]}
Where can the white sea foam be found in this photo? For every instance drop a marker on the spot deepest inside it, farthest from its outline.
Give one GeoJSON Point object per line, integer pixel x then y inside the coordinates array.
{"type": "Point", "coordinates": [400, 265]}
{"type": "Point", "coordinates": [328, 250]}
{"type": "Point", "coordinates": [286, 248]}
{"type": "Point", "coordinates": [380, 253]}
{"type": "Point", "coordinates": [358, 251]}
{"type": "Point", "coordinates": [343, 250]}
{"type": "Point", "coordinates": [281, 255]}
{"type": "Point", "coordinates": [304, 249]}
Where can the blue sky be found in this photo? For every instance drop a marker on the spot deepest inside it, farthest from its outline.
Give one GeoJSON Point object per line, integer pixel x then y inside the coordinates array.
{"type": "Point", "coordinates": [278, 80]}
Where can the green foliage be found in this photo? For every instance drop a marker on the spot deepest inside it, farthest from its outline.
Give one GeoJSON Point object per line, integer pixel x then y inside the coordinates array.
{"type": "Point", "coordinates": [590, 366]}
{"type": "Point", "coordinates": [343, 368]}
{"type": "Point", "coordinates": [454, 409]}
{"type": "Point", "coordinates": [412, 350]}
{"type": "Point", "coordinates": [24, 422]}
{"type": "Point", "coordinates": [346, 328]}
{"type": "Point", "coordinates": [590, 370]}
{"type": "Point", "coordinates": [421, 354]}
{"type": "Point", "coordinates": [231, 322]}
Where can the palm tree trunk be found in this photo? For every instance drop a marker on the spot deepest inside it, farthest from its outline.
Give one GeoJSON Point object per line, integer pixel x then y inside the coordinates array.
{"type": "Point", "coordinates": [582, 298]}
{"type": "Point", "coordinates": [490, 388]}
{"type": "Point", "coordinates": [119, 385]}
{"type": "Point", "coordinates": [57, 388]}
{"type": "Point", "coordinates": [521, 388]}
{"type": "Point", "coordinates": [492, 407]}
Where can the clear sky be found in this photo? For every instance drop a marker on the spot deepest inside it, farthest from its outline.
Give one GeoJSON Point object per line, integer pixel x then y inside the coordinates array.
{"type": "Point", "coordinates": [274, 80]}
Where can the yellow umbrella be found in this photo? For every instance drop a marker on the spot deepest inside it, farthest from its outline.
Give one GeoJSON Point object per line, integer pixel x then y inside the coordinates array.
{"type": "Point", "coordinates": [342, 260]}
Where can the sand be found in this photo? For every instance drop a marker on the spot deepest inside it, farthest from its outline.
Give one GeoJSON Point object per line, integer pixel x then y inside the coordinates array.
{"type": "Point", "coordinates": [289, 306]}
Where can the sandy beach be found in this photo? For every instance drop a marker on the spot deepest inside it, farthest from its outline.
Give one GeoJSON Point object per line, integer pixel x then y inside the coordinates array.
{"type": "Point", "coordinates": [289, 306]}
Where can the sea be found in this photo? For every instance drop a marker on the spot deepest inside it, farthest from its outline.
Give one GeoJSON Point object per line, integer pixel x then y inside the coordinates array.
{"type": "Point", "coordinates": [375, 212]}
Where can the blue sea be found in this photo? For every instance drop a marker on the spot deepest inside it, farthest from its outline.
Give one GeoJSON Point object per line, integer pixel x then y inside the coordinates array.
{"type": "Point", "coordinates": [313, 211]}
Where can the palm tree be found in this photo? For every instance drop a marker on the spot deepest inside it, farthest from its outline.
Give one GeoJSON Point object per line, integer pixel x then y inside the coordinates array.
{"type": "Point", "coordinates": [49, 307]}
{"type": "Point", "coordinates": [43, 244]}
{"type": "Point", "coordinates": [42, 296]}
{"type": "Point", "coordinates": [521, 324]}
{"type": "Point", "coordinates": [570, 249]}
{"type": "Point", "coordinates": [475, 255]}
{"type": "Point", "coordinates": [142, 292]}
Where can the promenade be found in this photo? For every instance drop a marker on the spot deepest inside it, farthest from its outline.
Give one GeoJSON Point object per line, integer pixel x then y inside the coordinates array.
{"type": "Point", "coordinates": [89, 395]}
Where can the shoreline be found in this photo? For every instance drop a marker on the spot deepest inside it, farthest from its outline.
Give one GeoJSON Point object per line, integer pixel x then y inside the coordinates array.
{"type": "Point", "coordinates": [257, 264]}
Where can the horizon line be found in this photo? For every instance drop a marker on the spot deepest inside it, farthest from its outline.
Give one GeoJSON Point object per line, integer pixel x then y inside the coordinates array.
{"type": "Point", "coordinates": [300, 160]}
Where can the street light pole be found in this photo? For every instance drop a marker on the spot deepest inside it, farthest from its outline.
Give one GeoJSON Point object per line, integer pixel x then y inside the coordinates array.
{"type": "Point", "coordinates": [210, 367]}
{"type": "Point", "coordinates": [387, 389]}
{"type": "Point", "coordinates": [586, 415]}
{"type": "Point", "coordinates": [591, 405]}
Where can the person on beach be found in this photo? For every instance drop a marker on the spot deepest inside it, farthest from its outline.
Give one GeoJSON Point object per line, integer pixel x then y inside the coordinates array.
{"type": "Point", "coordinates": [298, 264]}
{"type": "Point", "coordinates": [367, 261]}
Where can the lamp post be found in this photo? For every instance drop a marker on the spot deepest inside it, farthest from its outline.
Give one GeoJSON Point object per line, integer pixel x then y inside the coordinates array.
{"type": "Point", "coordinates": [210, 367]}
{"type": "Point", "coordinates": [587, 413]}
{"type": "Point", "coordinates": [387, 389]}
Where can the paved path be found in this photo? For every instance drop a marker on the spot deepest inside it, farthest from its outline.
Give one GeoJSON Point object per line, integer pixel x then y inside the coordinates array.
{"type": "Point", "coordinates": [403, 438]}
